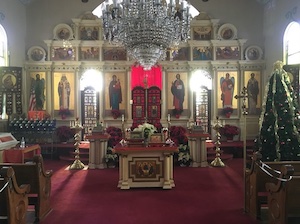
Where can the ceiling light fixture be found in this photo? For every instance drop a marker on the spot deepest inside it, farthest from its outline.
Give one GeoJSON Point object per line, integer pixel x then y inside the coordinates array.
{"type": "Point", "coordinates": [146, 28]}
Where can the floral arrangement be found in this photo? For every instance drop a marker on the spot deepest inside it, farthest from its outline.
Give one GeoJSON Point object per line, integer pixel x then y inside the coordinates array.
{"type": "Point", "coordinates": [110, 157]}
{"type": "Point", "coordinates": [63, 112]}
{"type": "Point", "coordinates": [178, 135]}
{"type": "Point", "coordinates": [115, 136]}
{"type": "Point", "coordinates": [183, 156]}
{"type": "Point", "coordinates": [158, 127]}
{"type": "Point", "coordinates": [64, 133]}
{"type": "Point", "coordinates": [227, 111]}
{"type": "Point", "coordinates": [229, 130]}
{"type": "Point", "coordinates": [147, 129]}
{"type": "Point", "coordinates": [177, 112]}
{"type": "Point", "coordinates": [115, 113]}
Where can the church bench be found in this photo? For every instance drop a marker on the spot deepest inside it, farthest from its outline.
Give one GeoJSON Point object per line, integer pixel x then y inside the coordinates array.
{"type": "Point", "coordinates": [33, 173]}
{"type": "Point", "coordinates": [255, 183]}
{"type": "Point", "coordinates": [13, 198]}
{"type": "Point", "coordinates": [283, 196]}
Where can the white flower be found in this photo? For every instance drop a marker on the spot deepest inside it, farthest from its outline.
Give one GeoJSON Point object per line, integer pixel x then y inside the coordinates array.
{"type": "Point", "coordinates": [142, 127]}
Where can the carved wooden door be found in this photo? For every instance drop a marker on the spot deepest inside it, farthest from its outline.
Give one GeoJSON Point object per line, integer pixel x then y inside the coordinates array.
{"type": "Point", "coordinates": [154, 104]}
{"type": "Point", "coordinates": [138, 105]}
{"type": "Point", "coordinates": [90, 109]}
{"type": "Point", "coordinates": [202, 107]}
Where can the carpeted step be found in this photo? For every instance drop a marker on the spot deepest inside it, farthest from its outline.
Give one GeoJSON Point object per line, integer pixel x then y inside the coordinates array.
{"type": "Point", "coordinates": [223, 157]}
{"type": "Point", "coordinates": [70, 158]}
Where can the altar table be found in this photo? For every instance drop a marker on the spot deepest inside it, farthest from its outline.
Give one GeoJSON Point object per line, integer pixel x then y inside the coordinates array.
{"type": "Point", "coordinates": [17, 154]}
{"type": "Point", "coordinates": [146, 166]}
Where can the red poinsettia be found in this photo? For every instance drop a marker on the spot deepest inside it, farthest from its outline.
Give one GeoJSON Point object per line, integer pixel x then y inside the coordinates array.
{"type": "Point", "coordinates": [115, 113]}
{"type": "Point", "coordinates": [178, 135]}
{"type": "Point", "coordinates": [227, 111]}
{"type": "Point", "coordinates": [115, 136]}
{"type": "Point", "coordinates": [229, 130]}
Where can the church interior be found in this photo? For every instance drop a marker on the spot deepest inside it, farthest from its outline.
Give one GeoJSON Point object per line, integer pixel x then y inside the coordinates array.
{"type": "Point", "coordinates": [91, 84]}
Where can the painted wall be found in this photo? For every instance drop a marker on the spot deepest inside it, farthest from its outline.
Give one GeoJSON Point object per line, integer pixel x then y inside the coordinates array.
{"type": "Point", "coordinates": [13, 19]}
{"type": "Point", "coordinates": [277, 15]}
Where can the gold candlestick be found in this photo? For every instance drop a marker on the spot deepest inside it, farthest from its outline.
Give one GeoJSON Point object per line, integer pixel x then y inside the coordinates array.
{"type": "Point", "coordinates": [244, 96]}
{"type": "Point", "coordinates": [77, 164]}
{"type": "Point", "coordinates": [217, 162]}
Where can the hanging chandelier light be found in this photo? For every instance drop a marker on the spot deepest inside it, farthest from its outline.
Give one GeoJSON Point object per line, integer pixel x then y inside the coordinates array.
{"type": "Point", "coordinates": [146, 28]}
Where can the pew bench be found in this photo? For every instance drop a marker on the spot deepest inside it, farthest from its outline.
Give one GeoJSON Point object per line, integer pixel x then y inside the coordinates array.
{"type": "Point", "coordinates": [33, 173]}
{"type": "Point", "coordinates": [283, 196]}
{"type": "Point", "coordinates": [13, 198]}
{"type": "Point", "coordinates": [256, 194]}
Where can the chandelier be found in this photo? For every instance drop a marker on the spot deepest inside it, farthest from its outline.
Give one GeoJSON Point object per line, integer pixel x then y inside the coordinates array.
{"type": "Point", "coordinates": [146, 28]}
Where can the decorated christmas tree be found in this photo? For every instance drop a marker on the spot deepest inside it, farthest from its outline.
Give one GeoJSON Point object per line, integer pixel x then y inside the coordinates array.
{"type": "Point", "coordinates": [278, 138]}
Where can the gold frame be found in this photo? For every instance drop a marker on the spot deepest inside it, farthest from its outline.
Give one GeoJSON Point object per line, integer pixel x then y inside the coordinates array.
{"type": "Point", "coordinates": [156, 138]}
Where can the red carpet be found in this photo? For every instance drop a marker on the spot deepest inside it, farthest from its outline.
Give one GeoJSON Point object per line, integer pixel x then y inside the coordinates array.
{"type": "Point", "coordinates": [201, 195]}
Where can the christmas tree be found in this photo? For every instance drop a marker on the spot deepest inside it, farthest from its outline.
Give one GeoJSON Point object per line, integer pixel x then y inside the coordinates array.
{"type": "Point", "coordinates": [278, 138]}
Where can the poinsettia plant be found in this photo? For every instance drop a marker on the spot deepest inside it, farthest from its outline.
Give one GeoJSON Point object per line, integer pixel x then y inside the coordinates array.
{"type": "Point", "coordinates": [115, 113]}
{"type": "Point", "coordinates": [63, 112]}
{"type": "Point", "coordinates": [227, 111]}
{"type": "Point", "coordinates": [115, 136]}
{"type": "Point", "coordinates": [229, 130]}
{"type": "Point", "coordinates": [64, 133]}
{"type": "Point", "coordinates": [178, 135]}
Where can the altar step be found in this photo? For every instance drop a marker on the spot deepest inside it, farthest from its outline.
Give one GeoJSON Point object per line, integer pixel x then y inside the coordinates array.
{"type": "Point", "coordinates": [68, 153]}
{"type": "Point", "coordinates": [211, 155]}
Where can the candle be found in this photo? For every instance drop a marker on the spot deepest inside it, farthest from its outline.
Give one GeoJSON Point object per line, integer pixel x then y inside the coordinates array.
{"type": "Point", "coordinates": [131, 102]}
{"type": "Point", "coordinates": [122, 117]}
{"type": "Point", "coordinates": [169, 117]}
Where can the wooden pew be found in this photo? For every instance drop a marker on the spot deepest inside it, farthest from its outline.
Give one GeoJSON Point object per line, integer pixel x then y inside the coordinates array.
{"type": "Point", "coordinates": [283, 197]}
{"type": "Point", "coordinates": [40, 184]}
{"type": "Point", "coordinates": [13, 199]}
{"type": "Point", "coordinates": [255, 181]}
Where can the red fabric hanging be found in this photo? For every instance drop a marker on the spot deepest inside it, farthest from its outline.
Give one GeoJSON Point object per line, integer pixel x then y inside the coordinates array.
{"type": "Point", "coordinates": [139, 75]}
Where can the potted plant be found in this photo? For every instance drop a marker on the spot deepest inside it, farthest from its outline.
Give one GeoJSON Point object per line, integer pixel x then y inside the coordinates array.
{"type": "Point", "coordinates": [64, 112]}
{"type": "Point", "coordinates": [229, 131]}
{"type": "Point", "coordinates": [183, 156]}
{"type": "Point", "coordinates": [111, 158]}
{"type": "Point", "coordinates": [227, 111]}
{"type": "Point", "coordinates": [64, 133]}
{"type": "Point", "coordinates": [115, 113]}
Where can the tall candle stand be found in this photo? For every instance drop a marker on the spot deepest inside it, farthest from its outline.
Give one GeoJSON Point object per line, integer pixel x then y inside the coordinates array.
{"type": "Point", "coordinates": [77, 164]}
{"type": "Point", "coordinates": [217, 162]}
{"type": "Point", "coordinates": [244, 97]}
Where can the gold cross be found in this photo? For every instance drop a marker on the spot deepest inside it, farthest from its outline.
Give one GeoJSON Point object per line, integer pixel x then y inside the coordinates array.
{"type": "Point", "coordinates": [244, 97]}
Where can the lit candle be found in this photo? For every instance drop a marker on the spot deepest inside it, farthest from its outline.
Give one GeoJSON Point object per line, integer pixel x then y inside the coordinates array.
{"type": "Point", "coordinates": [169, 117]}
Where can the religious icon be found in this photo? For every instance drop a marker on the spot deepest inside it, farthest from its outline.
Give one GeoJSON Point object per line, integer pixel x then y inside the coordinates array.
{"type": "Point", "coordinates": [9, 81]}
{"type": "Point", "coordinates": [227, 89]}
{"type": "Point", "coordinates": [178, 92]}
{"type": "Point", "coordinates": [64, 90]}
{"type": "Point", "coordinates": [115, 93]}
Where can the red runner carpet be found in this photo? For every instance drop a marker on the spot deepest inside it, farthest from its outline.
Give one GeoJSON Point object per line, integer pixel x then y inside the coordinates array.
{"type": "Point", "coordinates": [201, 195]}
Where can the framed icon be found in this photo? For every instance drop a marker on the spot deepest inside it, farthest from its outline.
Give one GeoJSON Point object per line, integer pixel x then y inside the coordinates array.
{"type": "Point", "coordinates": [36, 53]}
{"type": "Point", "coordinates": [252, 81]}
{"type": "Point", "coordinates": [253, 53]}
